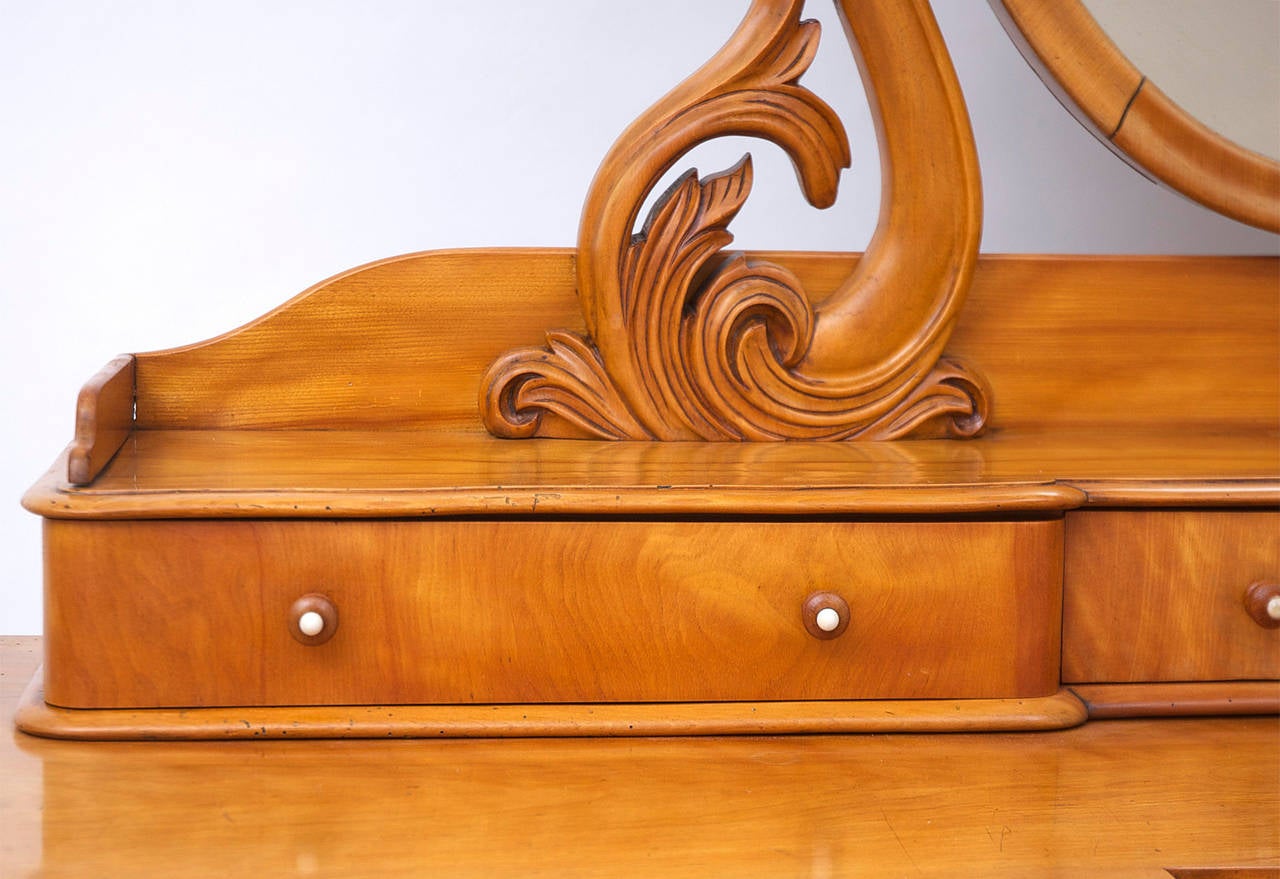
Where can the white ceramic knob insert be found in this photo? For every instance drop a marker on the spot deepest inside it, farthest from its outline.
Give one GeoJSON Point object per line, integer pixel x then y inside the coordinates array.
{"type": "Point", "coordinates": [1273, 608]}
{"type": "Point", "coordinates": [828, 619]}
{"type": "Point", "coordinates": [311, 624]}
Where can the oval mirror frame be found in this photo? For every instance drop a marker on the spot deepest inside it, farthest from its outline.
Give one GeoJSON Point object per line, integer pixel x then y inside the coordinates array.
{"type": "Point", "coordinates": [1093, 79]}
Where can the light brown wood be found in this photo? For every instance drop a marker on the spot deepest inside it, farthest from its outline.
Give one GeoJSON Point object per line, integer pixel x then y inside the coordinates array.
{"type": "Point", "coordinates": [366, 474]}
{"type": "Point", "coordinates": [1129, 113]}
{"type": "Point", "coordinates": [1205, 356]}
{"type": "Point", "coordinates": [104, 418]}
{"type": "Point", "coordinates": [1196, 699]}
{"type": "Point", "coordinates": [1224, 450]}
{"type": "Point", "coordinates": [1198, 162]}
{"type": "Point", "coordinates": [36, 716]}
{"type": "Point", "coordinates": [1159, 596]}
{"type": "Point", "coordinates": [1104, 800]}
{"type": "Point", "coordinates": [331, 359]}
{"type": "Point", "coordinates": [1074, 57]}
{"type": "Point", "coordinates": [528, 612]}
{"type": "Point", "coordinates": [329, 458]}
{"type": "Point", "coordinates": [686, 343]}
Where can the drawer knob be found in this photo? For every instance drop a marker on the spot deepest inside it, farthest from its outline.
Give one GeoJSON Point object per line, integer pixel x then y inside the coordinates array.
{"type": "Point", "coordinates": [313, 619]}
{"type": "Point", "coordinates": [1262, 600]}
{"type": "Point", "coordinates": [826, 615]}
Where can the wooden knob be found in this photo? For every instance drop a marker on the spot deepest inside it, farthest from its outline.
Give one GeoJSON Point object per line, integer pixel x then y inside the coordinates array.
{"type": "Point", "coordinates": [313, 619]}
{"type": "Point", "coordinates": [1262, 600]}
{"type": "Point", "coordinates": [826, 615]}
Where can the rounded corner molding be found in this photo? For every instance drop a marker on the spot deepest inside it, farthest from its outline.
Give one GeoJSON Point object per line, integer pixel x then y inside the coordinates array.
{"type": "Point", "coordinates": [686, 341]}
{"type": "Point", "coordinates": [1061, 709]}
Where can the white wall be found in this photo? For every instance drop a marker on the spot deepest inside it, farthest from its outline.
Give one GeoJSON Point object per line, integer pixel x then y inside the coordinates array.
{"type": "Point", "coordinates": [173, 170]}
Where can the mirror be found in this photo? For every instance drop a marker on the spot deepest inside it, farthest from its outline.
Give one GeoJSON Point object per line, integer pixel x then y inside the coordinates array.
{"type": "Point", "coordinates": [1187, 92]}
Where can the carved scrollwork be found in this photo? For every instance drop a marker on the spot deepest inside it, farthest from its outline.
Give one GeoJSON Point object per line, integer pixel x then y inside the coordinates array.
{"type": "Point", "coordinates": [688, 341]}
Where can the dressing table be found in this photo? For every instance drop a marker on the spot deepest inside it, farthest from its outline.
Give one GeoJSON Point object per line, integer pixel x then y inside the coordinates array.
{"type": "Point", "coordinates": [651, 486]}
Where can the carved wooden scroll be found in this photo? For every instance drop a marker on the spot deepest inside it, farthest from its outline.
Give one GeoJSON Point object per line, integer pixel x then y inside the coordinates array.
{"type": "Point", "coordinates": [688, 342]}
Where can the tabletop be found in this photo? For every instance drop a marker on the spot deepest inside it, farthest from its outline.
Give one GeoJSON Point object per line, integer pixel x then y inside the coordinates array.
{"type": "Point", "coordinates": [1123, 798]}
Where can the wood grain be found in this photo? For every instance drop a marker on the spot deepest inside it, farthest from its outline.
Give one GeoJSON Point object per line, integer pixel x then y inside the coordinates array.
{"type": "Point", "coordinates": [35, 716]}
{"type": "Point", "coordinates": [1104, 800]}
{"type": "Point", "coordinates": [1186, 699]}
{"type": "Point", "coordinates": [366, 474]}
{"type": "Point", "coordinates": [528, 612]}
{"type": "Point", "coordinates": [1128, 112]}
{"type": "Point", "coordinates": [1198, 162]}
{"type": "Point", "coordinates": [1159, 596]}
{"type": "Point", "coordinates": [1074, 57]}
{"type": "Point", "coordinates": [1182, 343]}
{"type": "Point", "coordinates": [104, 418]}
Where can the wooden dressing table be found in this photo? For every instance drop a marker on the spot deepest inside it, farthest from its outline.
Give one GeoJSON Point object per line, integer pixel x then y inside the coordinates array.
{"type": "Point", "coordinates": [648, 486]}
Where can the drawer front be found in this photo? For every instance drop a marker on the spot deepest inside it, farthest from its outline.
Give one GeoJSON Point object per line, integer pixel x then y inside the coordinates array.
{"type": "Point", "coordinates": [199, 613]}
{"type": "Point", "coordinates": [1160, 596]}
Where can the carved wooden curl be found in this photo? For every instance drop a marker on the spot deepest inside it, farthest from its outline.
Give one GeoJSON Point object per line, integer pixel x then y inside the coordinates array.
{"type": "Point", "coordinates": [687, 342]}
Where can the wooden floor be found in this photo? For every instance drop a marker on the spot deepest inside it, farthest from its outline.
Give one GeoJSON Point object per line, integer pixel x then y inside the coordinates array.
{"type": "Point", "coordinates": [1120, 798]}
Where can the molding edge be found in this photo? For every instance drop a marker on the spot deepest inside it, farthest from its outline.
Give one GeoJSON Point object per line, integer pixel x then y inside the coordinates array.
{"type": "Point", "coordinates": [1060, 710]}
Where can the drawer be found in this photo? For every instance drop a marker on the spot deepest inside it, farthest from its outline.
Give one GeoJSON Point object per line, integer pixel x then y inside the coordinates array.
{"type": "Point", "coordinates": [200, 613]}
{"type": "Point", "coordinates": [1160, 596]}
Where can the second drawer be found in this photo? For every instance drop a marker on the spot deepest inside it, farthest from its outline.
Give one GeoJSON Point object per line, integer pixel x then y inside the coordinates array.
{"type": "Point", "coordinates": [1160, 595]}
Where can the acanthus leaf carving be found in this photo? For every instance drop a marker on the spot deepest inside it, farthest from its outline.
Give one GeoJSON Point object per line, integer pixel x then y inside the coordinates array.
{"type": "Point", "coordinates": [687, 341]}
{"type": "Point", "coordinates": [566, 379]}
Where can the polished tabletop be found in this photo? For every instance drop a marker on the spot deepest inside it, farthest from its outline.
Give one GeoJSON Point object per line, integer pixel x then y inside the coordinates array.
{"type": "Point", "coordinates": [1123, 798]}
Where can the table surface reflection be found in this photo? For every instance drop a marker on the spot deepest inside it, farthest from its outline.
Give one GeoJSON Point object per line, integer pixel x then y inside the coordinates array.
{"type": "Point", "coordinates": [1120, 797]}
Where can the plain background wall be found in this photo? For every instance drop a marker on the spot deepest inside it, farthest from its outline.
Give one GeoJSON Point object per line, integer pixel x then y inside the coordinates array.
{"type": "Point", "coordinates": [173, 170]}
